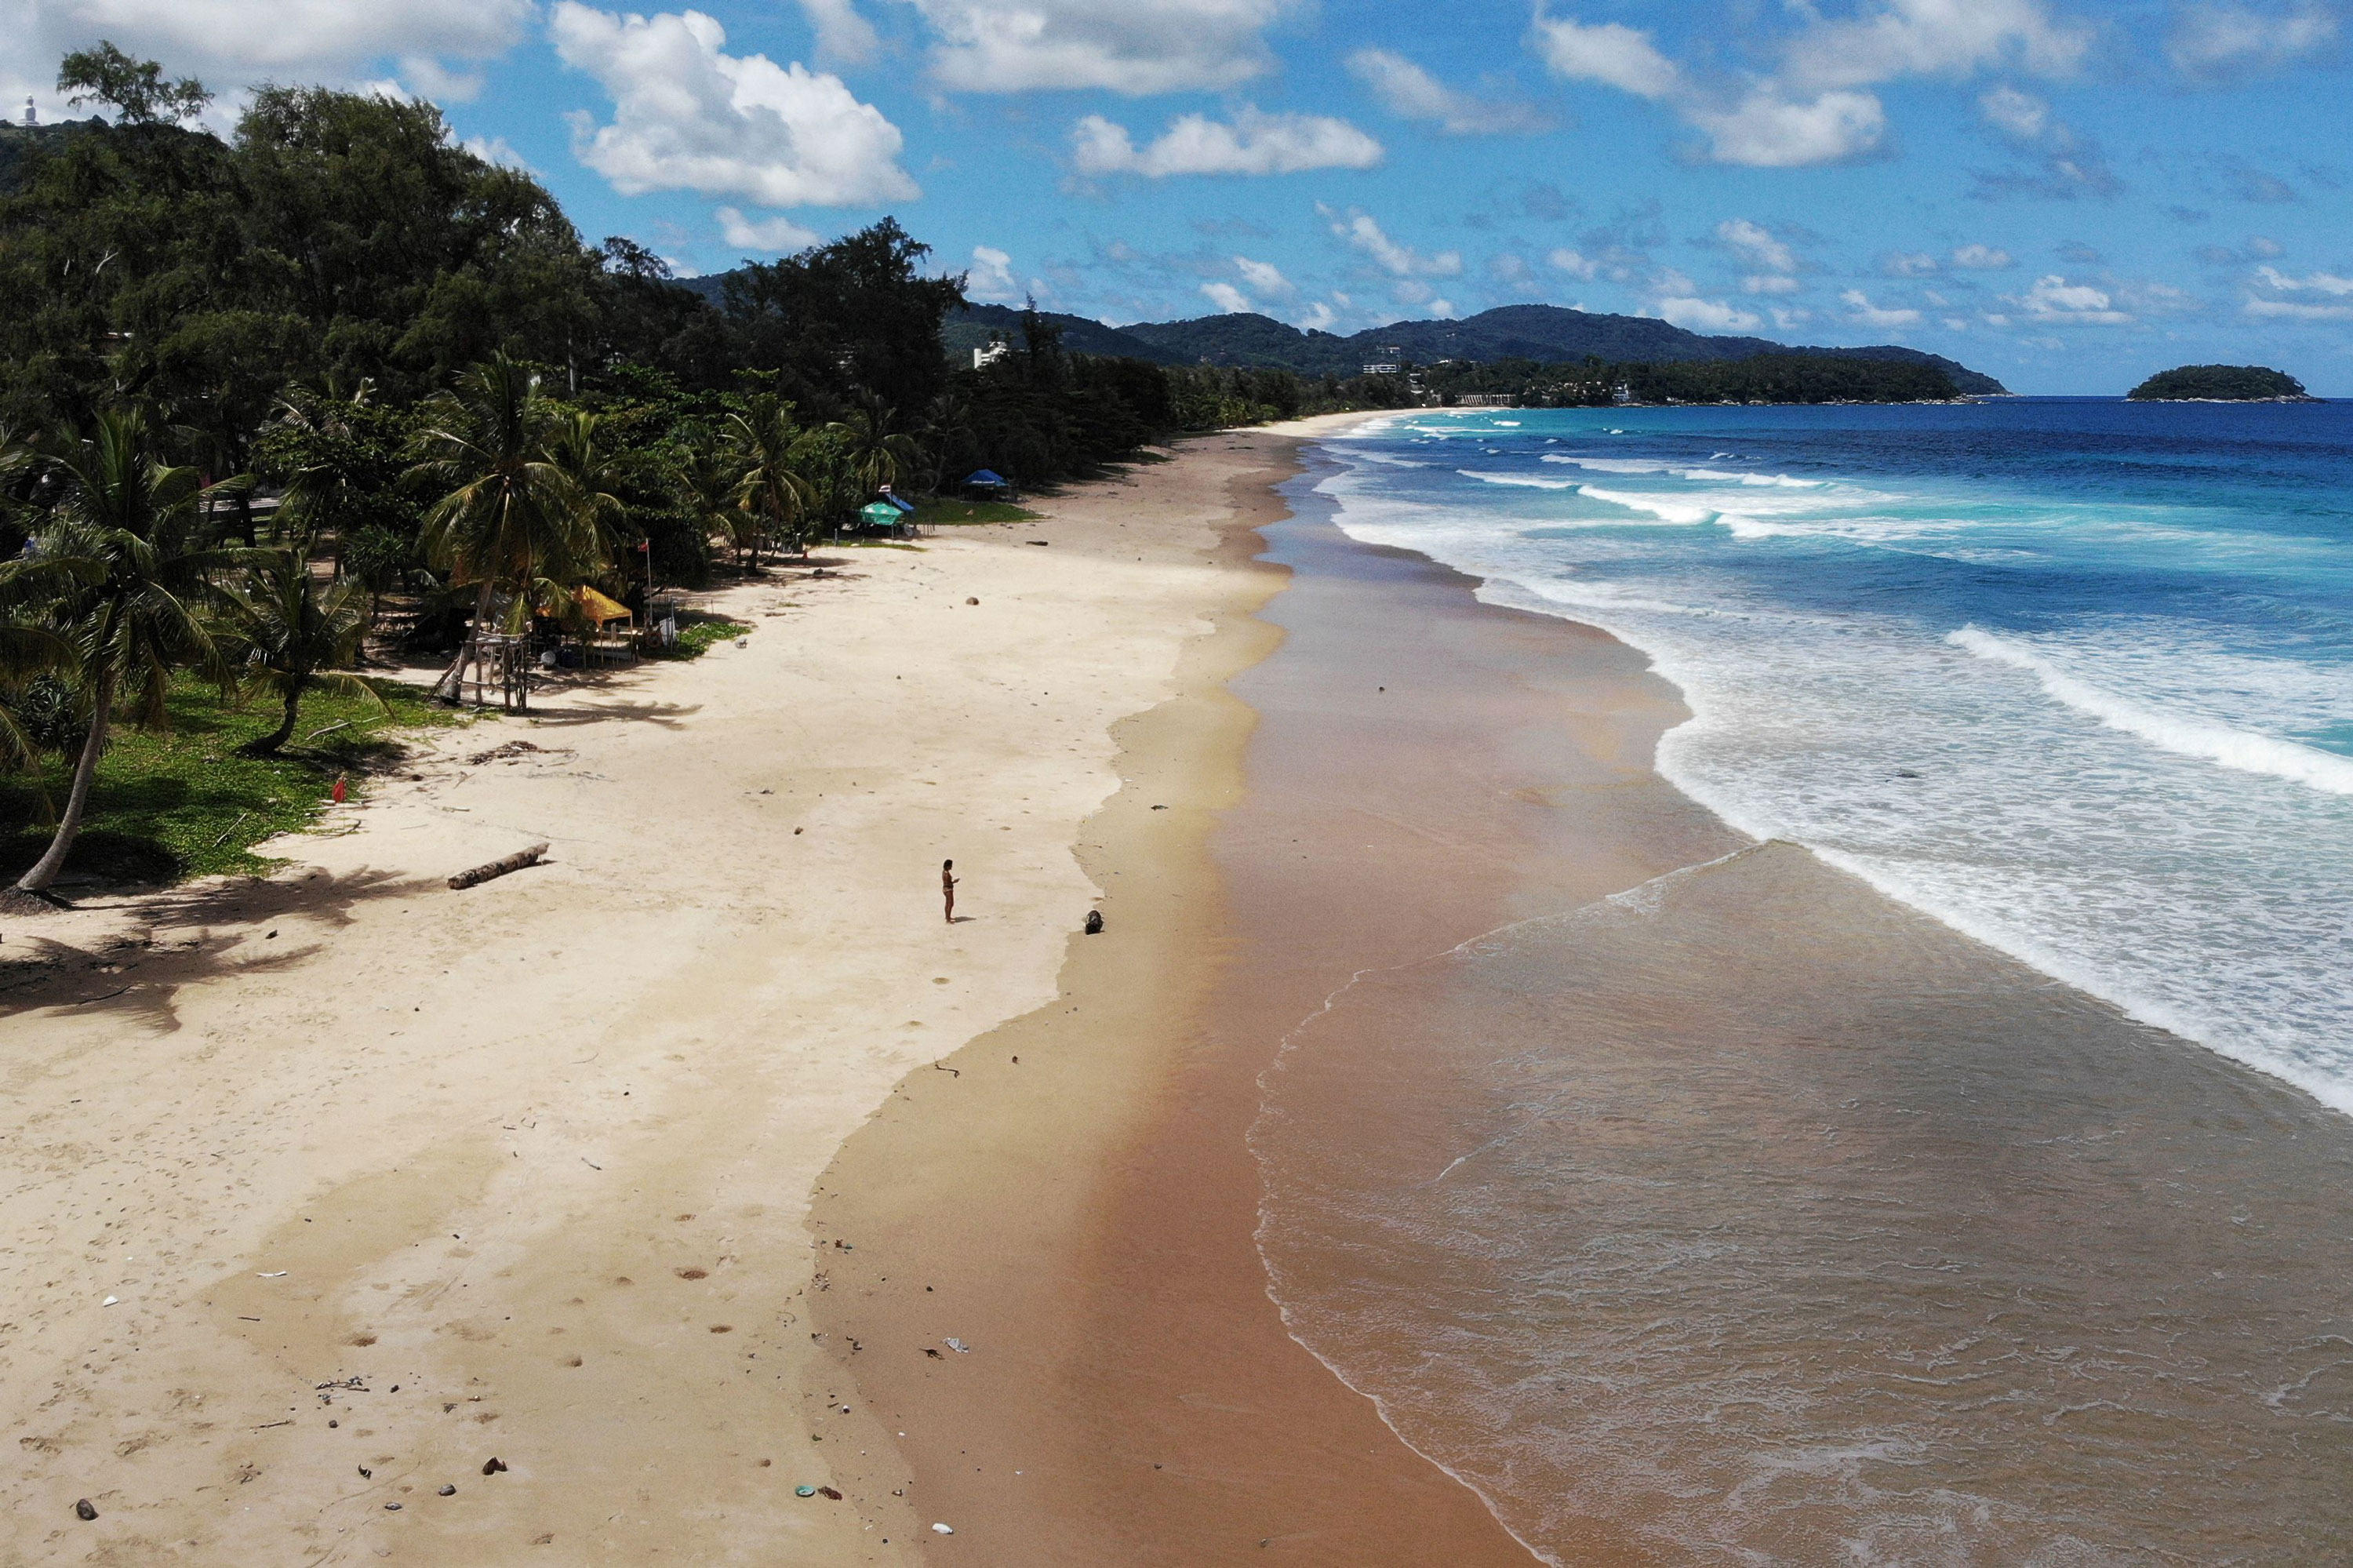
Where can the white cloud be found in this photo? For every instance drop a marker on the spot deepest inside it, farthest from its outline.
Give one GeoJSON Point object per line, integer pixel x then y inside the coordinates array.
{"type": "Point", "coordinates": [1770, 283]}
{"type": "Point", "coordinates": [1320, 317]}
{"type": "Point", "coordinates": [1412, 93]}
{"type": "Point", "coordinates": [1982, 259]}
{"type": "Point", "coordinates": [2296, 310]}
{"type": "Point", "coordinates": [990, 278]}
{"type": "Point", "coordinates": [781, 236]}
{"type": "Point", "coordinates": [2316, 282]}
{"type": "Point", "coordinates": [1133, 47]}
{"type": "Point", "coordinates": [496, 150]}
{"type": "Point", "coordinates": [1861, 309]}
{"type": "Point", "coordinates": [2015, 113]}
{"type": "Point", "coordinates": [842, 33]}
{"type": "Point", "coordinates": [1360, 231]}
{"type": "Point", "coordinates": [1812, 110]}
{"type": "Point", "coordinates": [1253, 143]}
{"type": "Point", "coordinates": [233, 43]}
{"type": "Point", "coordinates": [1935, 38]}
{"type": "Point", "coordinates": [2054, 301]}
{"type": "Point", "coordinates": [1765, 131]}
{"type": "Point", "coordinates": [1226, 298]}
{"type": "Point", "coordinates": [689, 116]}
{"type": "Point", "coordinates": [1264, 278]}
{"type": "Point", "coordinates": [2223, 42]}
{"type": "Point", "coordinates": [1755, 243]}
{"type": "Point", "coordinates": [1576, 263]}
{"type": "Point", "coordinates": [1909, 264]}
{"type": "Point", "coordinates": [1707, 315]}
{"type": "Point", "coordinates": [1610, 53]}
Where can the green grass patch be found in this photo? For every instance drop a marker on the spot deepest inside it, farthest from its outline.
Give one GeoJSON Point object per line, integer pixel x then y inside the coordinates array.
{"type": "Point", "coordinates": [184, 803]}
{"type": "Point", "coordinates": [701, 635]}
{"type": "Point", "coordinates": [958, 513]}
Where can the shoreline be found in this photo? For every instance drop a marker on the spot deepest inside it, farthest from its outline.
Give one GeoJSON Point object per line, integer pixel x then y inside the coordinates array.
{"type": "Point", "coordinates": [1085, 1220]}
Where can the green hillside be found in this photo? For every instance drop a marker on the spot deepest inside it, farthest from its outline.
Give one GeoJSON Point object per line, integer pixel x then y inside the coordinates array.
{"type": "Point", "coordinates": [2221, 384]}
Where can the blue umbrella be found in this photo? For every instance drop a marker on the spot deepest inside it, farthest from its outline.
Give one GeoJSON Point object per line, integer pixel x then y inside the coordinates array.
{"type": "Point", "coordinates": [986, 477]}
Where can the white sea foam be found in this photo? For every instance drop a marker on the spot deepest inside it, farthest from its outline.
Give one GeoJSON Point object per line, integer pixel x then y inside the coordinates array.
{"type": "Point", "coordinates": [1607, 465]}
{"type": "Point", "coordinates": [2183, 736]}
{"type": "Point", "coordinates": [1663, 509]}
{"type": "Point", "coordinates": [1522, 480]}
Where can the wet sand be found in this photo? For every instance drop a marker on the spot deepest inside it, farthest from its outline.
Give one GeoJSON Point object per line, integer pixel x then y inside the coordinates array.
{"type": "Point", "coordinates": [1411, 768]}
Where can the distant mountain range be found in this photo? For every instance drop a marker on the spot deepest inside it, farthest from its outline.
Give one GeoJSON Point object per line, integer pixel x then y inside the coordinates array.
{"type": "Point", "coordinates": [1549, 334]}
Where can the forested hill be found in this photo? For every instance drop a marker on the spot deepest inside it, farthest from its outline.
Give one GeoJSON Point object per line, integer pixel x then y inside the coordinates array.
{"type": "Point", "coordinates": [2221, 384]}
{"type": "Point", "coordinates": [1546, 334]}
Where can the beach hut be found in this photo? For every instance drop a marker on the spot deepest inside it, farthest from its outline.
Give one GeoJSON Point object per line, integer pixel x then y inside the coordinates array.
{"type": "Point", "coordinates": [612, 636]}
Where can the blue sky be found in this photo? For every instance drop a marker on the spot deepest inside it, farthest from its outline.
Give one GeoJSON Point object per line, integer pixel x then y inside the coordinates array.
{"type": "Point", "coordinates": [2068, 196]}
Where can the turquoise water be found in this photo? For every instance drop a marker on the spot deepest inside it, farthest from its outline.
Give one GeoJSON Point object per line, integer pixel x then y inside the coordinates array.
{"type": "Point", "coordinates": [2072, 676]}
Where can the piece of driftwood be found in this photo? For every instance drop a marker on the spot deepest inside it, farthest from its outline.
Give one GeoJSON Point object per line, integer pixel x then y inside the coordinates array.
{"type": "Point", "coordinates": [498, 868]}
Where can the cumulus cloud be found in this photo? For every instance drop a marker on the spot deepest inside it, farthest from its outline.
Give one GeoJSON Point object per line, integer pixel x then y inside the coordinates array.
{"type": "Point", "coordinates": [1982, 259]}
{"type": "Point", "coordinates": [1361, 232]}
{"type": "Point", "coordinates": [780, 235]}
{"type": "Point", "coordinates": [2316, 282]}
{"type": "Point", "coordinates": [2071, 165]}
{"type": "Point", "coordinates": [1860, 310]}
{"type": "Point", "coordinates": [1754, 243]}
{"type": "Point", "coordinates": [1252, 144]}
{"type": "Point", "coordinates": [842, 33]}
{"type": "Point", "coordinates": [1576, 263]}
{"type": "Point", "coordinates": [2054, 301]}
{"type": "Point", "coordinates": [1412, 93]}
{"type": "Point", "coordinates": [1610, 53]}
{"type": "Point", "coordinates": [2232, 42]}
{"type": "Point", "coordinates": [990, 278]}
{"type": "Point", "coordinates": [1695, 315]}
{"type": "Point", "coordinates": [1226, 298]}
{"type": "Point", "coordinates": [1909, 264]}
{"type": "Point", "coordinates": [1131, 47]}
{"type": "Point", "coordinates": [231, 43]}
{"type": "Point", "coordinates": [1815, 108]}
{"type": "Point", "coordinates": [689, 116]}
{"type": "Point", "coordinates": [1264, 278]}
{"type": "Point", "coordinates": [2021, 115]}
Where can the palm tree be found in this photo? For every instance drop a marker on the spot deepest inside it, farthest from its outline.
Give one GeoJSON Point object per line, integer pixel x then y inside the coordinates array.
{"type": "Point", "coordinates": [770, 489]}
{"type": "Point", "coordinates": [703, 479]}
{"type": "Point", "coordinates": [291, 633]}
{"type": "Point", "coordinates": [878, 450]}
{"type": "Point", "coordinates": [114, 571]}
{"type": "Point", "coordinates": [508, 518]}
{"type": "Point", "coordinates": [595, 479]}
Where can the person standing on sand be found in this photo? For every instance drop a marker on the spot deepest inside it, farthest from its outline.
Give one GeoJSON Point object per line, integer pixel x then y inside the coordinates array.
{"type": "Point", "coordinates": [948, 886]}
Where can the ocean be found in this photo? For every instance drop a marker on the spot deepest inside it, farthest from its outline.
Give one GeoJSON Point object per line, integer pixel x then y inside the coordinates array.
{"type": "Point", "coordinates": [1752, 1214]}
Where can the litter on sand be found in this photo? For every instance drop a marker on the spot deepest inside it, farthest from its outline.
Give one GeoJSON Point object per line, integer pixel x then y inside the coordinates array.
{"type": "Point", "coordinates": [110, 1300]}
{"type": "Point", "coordinates": [279, 1274]}
{"type": "Point", "coordinates": [942, 1529]}
{"type": "Point", "coordinates": [804, 1491]}
{"type": "Point", "coordinates": [958, 1345]}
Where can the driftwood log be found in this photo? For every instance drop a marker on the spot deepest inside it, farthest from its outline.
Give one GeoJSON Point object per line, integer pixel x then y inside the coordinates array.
{"type": "Point", "coordinates": [498, 868]}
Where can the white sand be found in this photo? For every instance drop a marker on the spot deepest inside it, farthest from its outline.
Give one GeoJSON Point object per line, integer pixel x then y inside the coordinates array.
{"type": "Point", "coordinates": [526, 1151]}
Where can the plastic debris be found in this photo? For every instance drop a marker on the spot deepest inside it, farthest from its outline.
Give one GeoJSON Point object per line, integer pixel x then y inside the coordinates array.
{"type": "Point", "coordinates": [942, 1529]}
{"type": "Point", "coordinates": [279, 1274]}
{"type": "Point", "coordinates": [110, 1300]}
{"type": "Point", "coordinates": [958, 1345]}
{"type": "Point", "coordinates": [392, 1508]}
{"type": "Point", "coordinates": [804, 1491]}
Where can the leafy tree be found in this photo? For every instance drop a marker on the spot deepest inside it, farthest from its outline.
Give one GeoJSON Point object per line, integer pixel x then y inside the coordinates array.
{"type": "Point", "coordinates": [116, 571]}
{"type": "Point", "coordinates": [286, 632]}
{"type": "Point", "coordinates": [854, 311]}
{"type": "Point", "coordinates": [134, 90]}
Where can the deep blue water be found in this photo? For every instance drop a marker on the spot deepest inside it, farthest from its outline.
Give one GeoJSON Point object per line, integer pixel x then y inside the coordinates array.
{"type": "Point", "coordinates": [2074, 676]}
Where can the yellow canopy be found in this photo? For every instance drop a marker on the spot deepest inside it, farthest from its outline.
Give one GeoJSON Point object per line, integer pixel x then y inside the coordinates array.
{"type": "Point", "coordinates": [598, 608]}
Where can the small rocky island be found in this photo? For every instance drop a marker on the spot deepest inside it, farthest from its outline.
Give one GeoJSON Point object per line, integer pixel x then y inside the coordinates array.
{"type": "Point", "coordinates": [2221, 384]}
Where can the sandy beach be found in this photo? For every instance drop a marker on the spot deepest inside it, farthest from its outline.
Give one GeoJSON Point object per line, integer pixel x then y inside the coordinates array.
{"type": "Point", "coordinates": [325, 1190]}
